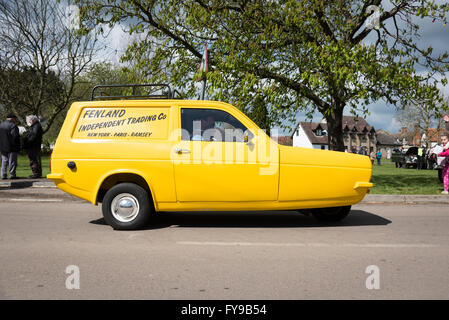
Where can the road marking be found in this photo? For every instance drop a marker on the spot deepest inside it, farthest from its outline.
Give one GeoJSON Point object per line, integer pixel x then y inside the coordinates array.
{"type": "Point", "coordinates": [296, 244]}
{"type": "Point", "coordinates": [33, 200]}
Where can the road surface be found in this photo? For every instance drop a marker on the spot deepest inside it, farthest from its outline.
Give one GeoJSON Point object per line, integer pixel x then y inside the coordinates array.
{"type": "Point", "coordinates": [45, 241]}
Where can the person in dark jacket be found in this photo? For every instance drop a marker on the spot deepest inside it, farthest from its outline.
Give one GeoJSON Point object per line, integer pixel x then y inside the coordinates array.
{"type": "Point", "coordinates": [32, 145]}
{"type": "Point", "coordinates": [9, 146]}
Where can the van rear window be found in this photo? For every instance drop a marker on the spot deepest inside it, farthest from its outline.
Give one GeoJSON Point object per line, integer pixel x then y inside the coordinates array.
{"type": "Point", "coordinates": [122, 123]}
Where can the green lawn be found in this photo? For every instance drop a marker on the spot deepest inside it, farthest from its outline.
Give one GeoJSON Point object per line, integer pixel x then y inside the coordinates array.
{"type": "Point", "coordinates": [388, 179]}
{"type": "Point", "coordinates": [24, 170]}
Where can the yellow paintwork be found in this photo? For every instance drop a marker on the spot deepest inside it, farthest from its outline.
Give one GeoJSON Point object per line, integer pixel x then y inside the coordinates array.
{"type": "Point", "coordinates": [259, 175]}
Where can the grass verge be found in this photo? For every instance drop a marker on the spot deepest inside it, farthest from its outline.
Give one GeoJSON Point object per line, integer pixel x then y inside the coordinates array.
{"type": "Point", "coordinates": [388, 179]}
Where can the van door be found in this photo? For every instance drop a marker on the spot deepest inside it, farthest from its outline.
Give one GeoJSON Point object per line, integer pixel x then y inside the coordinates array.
{"type": "Point", "coordinates": [218, 159]}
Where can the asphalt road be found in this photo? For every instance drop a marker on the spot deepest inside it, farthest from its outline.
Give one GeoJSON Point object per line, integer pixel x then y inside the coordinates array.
{"type": "Point", "coordinates": [257, 255]}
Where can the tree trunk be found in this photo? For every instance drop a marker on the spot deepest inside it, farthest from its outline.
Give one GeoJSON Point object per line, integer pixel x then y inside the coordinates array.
{"type": "Point", "coordinates": [334, 129]}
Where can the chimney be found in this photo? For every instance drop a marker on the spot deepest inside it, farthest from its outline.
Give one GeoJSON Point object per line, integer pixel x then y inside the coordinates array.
{"type": "Point", "coordinates": [403, 130]}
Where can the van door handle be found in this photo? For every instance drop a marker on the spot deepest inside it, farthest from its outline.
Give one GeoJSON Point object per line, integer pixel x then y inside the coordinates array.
{"type": "Point", "coordinates": [180, 151]}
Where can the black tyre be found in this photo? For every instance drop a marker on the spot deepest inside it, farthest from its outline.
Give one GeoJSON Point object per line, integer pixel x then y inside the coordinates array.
{"type": "Point", "coordinates": [332, 214]}
{"type": "Point", "coordinates": [126, 206]}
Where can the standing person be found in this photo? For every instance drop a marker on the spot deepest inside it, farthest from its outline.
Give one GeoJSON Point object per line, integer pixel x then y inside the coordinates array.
{"type": "Point", "coordinates": [378, 156]}
{"type": "Point", "coordinates": [360, 150]}
{"type": "Point", "coordinates": [9, 146]}
{"type": "Point", "coordinates": [32, 145]}
{"type": "Point", "coordinates": [420, 163]}
{"type": "Point", "coordinates": [430, 159]}
{"type": "Point", "coordinates": [372, 156]}
{"type": "Point", "coordinates": [440, 170]}
{"type": "Point", "coordinates": [445, 164]}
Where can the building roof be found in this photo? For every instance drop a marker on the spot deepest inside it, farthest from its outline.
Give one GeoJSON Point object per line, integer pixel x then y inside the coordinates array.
{"type": "Point", "coordinates": [415, 138]}
{"type": "Point", "coordinates": [386, 139]}
{"type": "Point", "coordinates": [285, 140]}
{"type": "Point", "coordinates": [360, 124]}
{"type": "Point", "coordinates": [434, 134]}
{"type": "Point", "coordinates": [406, 135]}
{"type": "Point", "coordinates": [349, 123]}
{"type": "Point", "coordinates": [310, 128]}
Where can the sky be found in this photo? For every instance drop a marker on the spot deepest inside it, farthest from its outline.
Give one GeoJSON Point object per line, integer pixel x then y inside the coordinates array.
{"type": "Point", "coordinates": [382, 115]}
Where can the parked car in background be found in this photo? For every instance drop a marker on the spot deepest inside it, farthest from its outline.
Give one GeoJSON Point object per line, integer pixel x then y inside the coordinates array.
{"type": "Point", "coordinates": [409, 158]}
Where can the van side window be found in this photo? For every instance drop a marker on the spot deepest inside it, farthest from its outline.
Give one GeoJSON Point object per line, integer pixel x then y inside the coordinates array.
{"type": "Point", "coordinates": [211, 125]}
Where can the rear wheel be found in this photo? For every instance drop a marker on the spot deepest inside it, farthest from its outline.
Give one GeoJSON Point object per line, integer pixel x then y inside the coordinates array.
{"type": "Point", "coordinates": [126, 206]}
{"type": "Point", "coordinates": [332, 214]}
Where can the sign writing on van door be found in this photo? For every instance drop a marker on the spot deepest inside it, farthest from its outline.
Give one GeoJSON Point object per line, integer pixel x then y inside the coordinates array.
{"type": "Point", "coordinates": [122, 123]}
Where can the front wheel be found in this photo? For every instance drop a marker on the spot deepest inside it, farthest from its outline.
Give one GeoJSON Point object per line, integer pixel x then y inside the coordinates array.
{"type": "Point", "coordinates": [126, 206]}
{"type": "Point", "coordinates": [332, 214]}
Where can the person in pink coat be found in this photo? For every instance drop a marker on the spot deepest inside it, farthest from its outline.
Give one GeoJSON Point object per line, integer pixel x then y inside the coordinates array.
{"type": "Point", "coordinates": [445, 153]}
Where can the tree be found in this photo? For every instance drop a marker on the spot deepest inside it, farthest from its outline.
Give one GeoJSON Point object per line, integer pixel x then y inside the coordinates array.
{"type": "Point", "coordinates": [309, 55]}
{"type": "Point", "coordinates": [421, 116]}
{"type": "Point", "coordinates": [19, 87]}
{"type": "Point", "coordinates": [103, 72]}
{"type": "Point", "coordinates": [41, 58]}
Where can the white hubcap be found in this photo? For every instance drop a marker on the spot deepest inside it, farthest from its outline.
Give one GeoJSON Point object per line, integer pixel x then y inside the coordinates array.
{"type": "Point", "coordinates": [125, 207]}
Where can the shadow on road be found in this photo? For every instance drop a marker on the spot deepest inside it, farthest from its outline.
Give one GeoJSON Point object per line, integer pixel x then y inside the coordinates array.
{"type": "Point", "coordinates": [259, 219]}
{"type": "Point", "coordinates": [17, 185]}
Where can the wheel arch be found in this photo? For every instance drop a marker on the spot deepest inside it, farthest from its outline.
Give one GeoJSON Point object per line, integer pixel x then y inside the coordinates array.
{"type": "Point", "coordinates": [119, 176]}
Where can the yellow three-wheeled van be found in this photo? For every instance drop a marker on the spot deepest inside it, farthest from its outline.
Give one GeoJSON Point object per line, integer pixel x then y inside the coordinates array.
{"type": "Point", "coordinates": [141, 156]}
